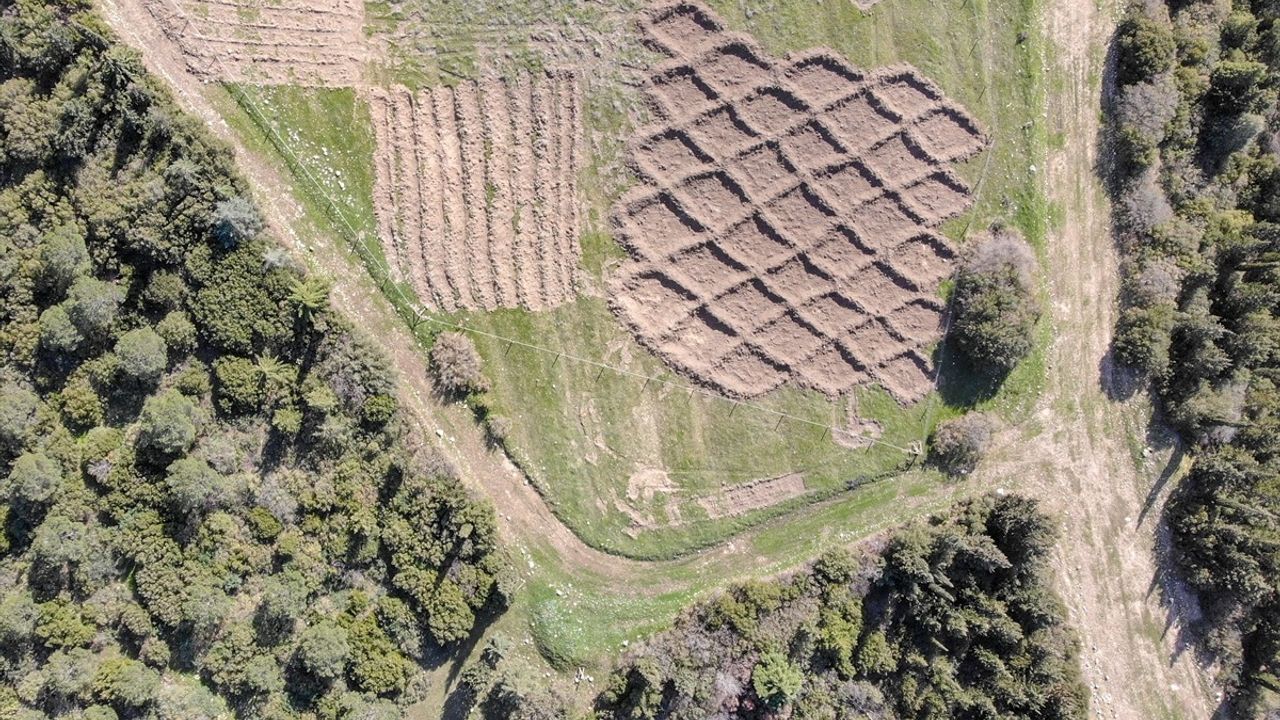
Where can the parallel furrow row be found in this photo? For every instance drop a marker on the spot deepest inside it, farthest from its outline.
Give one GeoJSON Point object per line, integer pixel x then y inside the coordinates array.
{"type": "Point", "coordinates": [476, 190]}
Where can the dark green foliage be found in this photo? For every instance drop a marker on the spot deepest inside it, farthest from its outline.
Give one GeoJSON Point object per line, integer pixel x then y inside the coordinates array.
{"type": "Point", "coordinates": [1144, 48]}
{"type": "Point", "coordinates": [1202, 294]}
{"type": "Point", "coordinates": [323, 650]}
{"type": "Point", "coordinates": [198, 459]}
{"type": "Point", "coordinates": [142, 355]}
{"type": "Point", "coordinates": [167, 424]}
{"type": "Point", "coordinates": [994, 306]}
{"type": "Point", "coordinates": [238, 385]}
{"type": "Point", "coordinates": [955, 620]}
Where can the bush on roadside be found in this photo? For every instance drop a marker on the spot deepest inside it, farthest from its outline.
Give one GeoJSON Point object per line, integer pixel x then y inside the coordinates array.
{"type": "Point", "coordinates": [994, 305]}
{"type": "Point", "coordinates": [457, 365]}
{"type": "Point", "coordinates": [959, 444]}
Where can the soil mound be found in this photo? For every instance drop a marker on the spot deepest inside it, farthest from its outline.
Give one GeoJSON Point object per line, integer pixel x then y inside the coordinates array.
{"type": "Point", "coordinates": [475, 189]}
{"type": "Point", "coordinates": [783, 228]}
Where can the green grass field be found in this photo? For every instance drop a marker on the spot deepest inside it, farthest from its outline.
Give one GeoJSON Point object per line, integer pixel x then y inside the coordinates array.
{"type": "Point", "coordinates": [582, 433]}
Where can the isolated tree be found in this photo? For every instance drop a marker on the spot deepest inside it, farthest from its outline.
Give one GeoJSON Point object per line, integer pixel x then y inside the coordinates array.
{"type": "Point", "coordinates": [958, 444]}
{"type": "Point", "coordinates": [168, 423]}
{"type": "Point", "coordinates": [994, 305]}
{"type": "Point", "coordinates": [457, 365]}
{"type": "Point", "coordinates": [143, 355]}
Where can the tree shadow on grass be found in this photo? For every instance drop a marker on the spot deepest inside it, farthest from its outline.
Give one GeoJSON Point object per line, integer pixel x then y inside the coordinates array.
{"type": "Point", "coordinates": [960, 383]}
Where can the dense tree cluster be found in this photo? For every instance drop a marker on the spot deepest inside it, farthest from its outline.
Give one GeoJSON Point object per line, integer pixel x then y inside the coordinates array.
{"type": "Point", "coordinates": [953, 619]}
{"type": "Point", "coordinates": [206, 505]}
{"type": "Point", "coordinates": [1197, 178]}
{"type": "Point", "coordinates": [994, 308]}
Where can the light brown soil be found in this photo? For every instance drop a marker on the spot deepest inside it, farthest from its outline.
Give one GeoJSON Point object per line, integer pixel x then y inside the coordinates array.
{"type": "Point", "coordinates": [268, 42]}
{"type": "Point", "coordinates": [751, 496]}
{"type": "Point", "coordinates": [784, 205]}
{"type": "Point", "coordinates": [476, 190]}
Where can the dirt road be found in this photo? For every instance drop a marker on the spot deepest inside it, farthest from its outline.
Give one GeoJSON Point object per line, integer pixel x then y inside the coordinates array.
{"type": "Point", "coordinates": [1081, 464]}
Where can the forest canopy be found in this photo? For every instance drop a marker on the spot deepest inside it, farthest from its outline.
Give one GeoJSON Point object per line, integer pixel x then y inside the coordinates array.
{"type": "Point", "coordinates": [1196, 177]}
{"type": "Point", "coordinates": [209, 502]}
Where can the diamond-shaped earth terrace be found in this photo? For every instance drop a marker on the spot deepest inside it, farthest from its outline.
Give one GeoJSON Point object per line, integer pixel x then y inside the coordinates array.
{"type": "Point", "coordinates": [783, 228]}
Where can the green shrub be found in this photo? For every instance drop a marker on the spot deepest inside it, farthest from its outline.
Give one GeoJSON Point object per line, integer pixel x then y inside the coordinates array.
{"type": "Point", "coordinates": [143, 355]}
{"type": "Point", "coordinates": [1145, 47]}
{"type": "Point", "coordinates": [323, 650]}
{"type": "Point", "coordinates": [94, 305]}
{"type": "Point", "coordinates": [33, 479]}
{"type": "Point", "coordinates": [958, 444]}
{"type": "Point", "coordinates": [194, 487]}
{"type": "Point", "coordinates": [17, 412]}
{"type": "Point", "coordinates": [238, 385]}
{"type": "Point", "coordinates": [168, 423]}
{"type": "Point", "coordinates": [376, 665]}
{"type": "Point", "coordinates": [994, 306]}
{"type": "Point", "coordinates": [81, 405]}
{"type": "Point", "coordinates": [57, 333]}
{"type": "Point", "coordinates": [63, 258]}
{"type": "Point", "coordinates": [178, 333]}
{"type": "Point", "coordinates": [125, 683]}
{"type": "Point", "coordinates": [776, 680]}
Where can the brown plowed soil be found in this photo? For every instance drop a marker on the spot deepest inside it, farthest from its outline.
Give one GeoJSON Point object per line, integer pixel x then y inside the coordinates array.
{"type": "Point", "coordinates": [268, 42]}
{"type": "Point", "coordinates": [476, 190]}
{"type": "Point", "coordinates": [787, 207]}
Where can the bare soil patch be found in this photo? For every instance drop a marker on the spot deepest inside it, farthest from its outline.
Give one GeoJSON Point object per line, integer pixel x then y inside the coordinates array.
{"type": "Point", "coordinates": [267, 42]}
{"type": "Point", "coordinates": [476, 190]}
{"type": "Point", "coordinates": [754, 495]}
{"type": "Point", "coordinates": [787, 206]}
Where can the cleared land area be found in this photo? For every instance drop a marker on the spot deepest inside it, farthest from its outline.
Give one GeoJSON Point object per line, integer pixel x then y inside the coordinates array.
{"type": "Point", "coordinates": [268, 42]}
{"type": "Point", "coordinates": [783, 230]}
{"type": "Point", "coordinates": [476, 190]}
